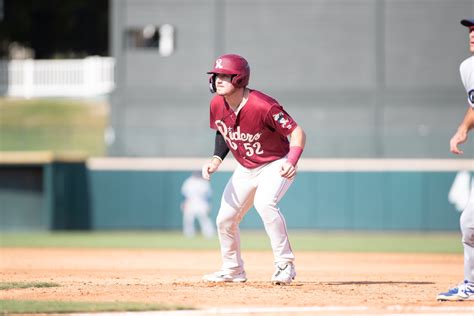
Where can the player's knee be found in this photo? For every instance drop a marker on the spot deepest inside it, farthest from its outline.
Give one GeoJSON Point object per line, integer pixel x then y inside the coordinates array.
{"type": "Point", "coordinates": [467, 228]}
{"type": "Point", "coordinates": [270, 214]}
{"type": "Point", "coordinates": [262, 205]}
{"type": "Point", "coordinates": [468, 236]}
{"type": "Point", "coordinates": [225, 221]}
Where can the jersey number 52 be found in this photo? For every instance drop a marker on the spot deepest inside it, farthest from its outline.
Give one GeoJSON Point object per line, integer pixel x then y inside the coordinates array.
{"type": "Point", "coordinates": [254, 148]}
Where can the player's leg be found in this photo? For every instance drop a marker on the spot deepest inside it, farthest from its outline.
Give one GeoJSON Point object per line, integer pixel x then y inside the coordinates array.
{"type": "Point", "coordinates": [467, 229]}
{"type": "Point", "coordinates": [207, 228]}
{"type": "Point", "coordinates": [271, 188]}
{"type": "Point", "coordinates": [188, 222]}
{"type": "Point", "coordinates": [236, 201]}
{"type": "Point", "coordinates": [465, 290]}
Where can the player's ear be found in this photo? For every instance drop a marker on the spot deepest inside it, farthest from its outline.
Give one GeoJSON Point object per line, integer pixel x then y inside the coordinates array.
{"type": "Point", "coordinates": [212, 83]}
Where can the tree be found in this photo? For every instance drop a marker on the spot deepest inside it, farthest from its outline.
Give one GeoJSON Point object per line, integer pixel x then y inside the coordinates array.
{"type": "Point", "coordinates": [56, 28]}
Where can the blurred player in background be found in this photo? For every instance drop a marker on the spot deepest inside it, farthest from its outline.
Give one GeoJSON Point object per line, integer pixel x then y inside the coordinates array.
{"type": "Point", "coordinates": [255, 128]}
{"type": "Point", "coordinates": [465, 290]}
{"type": "Point", "coordinates": [461, 190]}
{"type": "Point", "coordinates": [196, 205]}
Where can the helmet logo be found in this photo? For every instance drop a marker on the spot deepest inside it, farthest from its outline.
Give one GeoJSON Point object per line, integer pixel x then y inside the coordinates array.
{"type": "Point", "coordinates": [219, 64]}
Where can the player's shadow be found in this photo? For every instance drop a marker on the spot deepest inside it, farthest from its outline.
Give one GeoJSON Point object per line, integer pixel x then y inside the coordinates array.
{"type": "Point", "coordinates": [378, 282]}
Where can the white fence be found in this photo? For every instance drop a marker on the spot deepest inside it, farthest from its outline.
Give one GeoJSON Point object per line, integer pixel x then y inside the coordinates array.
{"type": "Point", "coordinates": [89, 77]}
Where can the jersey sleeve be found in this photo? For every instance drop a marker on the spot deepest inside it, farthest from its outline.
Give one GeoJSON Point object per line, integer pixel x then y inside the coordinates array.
{"type": "Point", "coordinates": [467, 76]}
{"type": "Point", "coordinates": [279, 120]}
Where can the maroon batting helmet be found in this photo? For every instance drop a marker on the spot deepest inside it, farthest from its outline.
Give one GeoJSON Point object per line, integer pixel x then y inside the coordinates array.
{"type": "Point", "coordinates": [230, 64]}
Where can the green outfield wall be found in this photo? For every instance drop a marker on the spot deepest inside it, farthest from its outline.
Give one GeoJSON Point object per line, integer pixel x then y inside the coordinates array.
{"type": "Point", "coordinates": [43, 192]}
{"type": "Point", "coordinates": [145, 194]}
{"type": "Point", "coordinates": [322, 200]}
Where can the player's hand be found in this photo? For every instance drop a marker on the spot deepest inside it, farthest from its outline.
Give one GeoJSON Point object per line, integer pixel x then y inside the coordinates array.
{"type": "Point", "coordinates": [288, 170]}
{"type": "Point", "coordinates": [458, 138]}
{"type": "Point", "coordinates": [210, 168]}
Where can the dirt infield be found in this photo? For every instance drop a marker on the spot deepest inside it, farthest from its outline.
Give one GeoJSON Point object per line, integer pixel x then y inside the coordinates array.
{"type": "Point", "coordinates": [174, 277]}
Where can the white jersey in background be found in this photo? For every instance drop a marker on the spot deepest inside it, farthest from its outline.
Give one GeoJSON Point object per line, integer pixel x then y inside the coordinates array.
{"type": "Point", "coordinates": [467, 76]}
{"type": "Point", "coordinates": [197, 194]}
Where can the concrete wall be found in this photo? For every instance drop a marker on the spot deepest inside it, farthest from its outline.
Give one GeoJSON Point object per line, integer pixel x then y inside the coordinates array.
{"type": "Point", "coordinates": [365, 78]}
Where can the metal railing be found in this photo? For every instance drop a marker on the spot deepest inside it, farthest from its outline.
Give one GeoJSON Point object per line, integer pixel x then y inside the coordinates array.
{"type": "Point", "coordinates": [88, 77]}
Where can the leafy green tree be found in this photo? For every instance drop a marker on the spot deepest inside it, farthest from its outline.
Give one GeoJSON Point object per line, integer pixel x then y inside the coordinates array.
{"type": "Point", "coordinates": [56, 28]}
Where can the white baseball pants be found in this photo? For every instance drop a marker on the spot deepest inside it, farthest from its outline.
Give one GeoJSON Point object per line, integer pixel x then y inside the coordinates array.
{"type": "Point", "coordinates": [467, 229]}
{"type": "Point", "coordinates": [263, 187]}
{"type": "Point", "coordinates": [193, 210]}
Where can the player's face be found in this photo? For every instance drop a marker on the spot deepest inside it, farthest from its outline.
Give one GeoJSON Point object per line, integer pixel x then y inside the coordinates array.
{"type": "Point", "coordinates": [471, 39]}
{"type": "Point", "coordinates": [223, 84]}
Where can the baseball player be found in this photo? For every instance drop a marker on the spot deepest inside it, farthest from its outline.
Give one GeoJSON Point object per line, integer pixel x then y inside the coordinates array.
{"type": "Point", "coordinates": [465, 290]}
{"type": "Point", "coordinates": [196, 205]}
{"type": "Point", "coordinates": [255, 128]}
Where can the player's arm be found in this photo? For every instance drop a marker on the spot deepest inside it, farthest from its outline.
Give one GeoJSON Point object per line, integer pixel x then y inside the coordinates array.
{"type": "Point", "coordinates": [297, 143]}
{"type": "Point", "coordinates": [462, 132]}
{"type": "Point", "coordinates": [220, 152]}
{"type": "Point", "coordinates": [298, 138]}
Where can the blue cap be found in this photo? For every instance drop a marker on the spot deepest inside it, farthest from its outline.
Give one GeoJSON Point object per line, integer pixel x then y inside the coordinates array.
{"type": "Point", "coordinates": [467, 22]}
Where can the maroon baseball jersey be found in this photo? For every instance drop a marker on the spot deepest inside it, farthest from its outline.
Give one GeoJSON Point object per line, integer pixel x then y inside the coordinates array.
{"type": "Point", "coordinates": [257, 134]}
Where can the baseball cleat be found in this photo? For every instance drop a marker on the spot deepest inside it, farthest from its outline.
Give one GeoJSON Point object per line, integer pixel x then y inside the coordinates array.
{"type": "Point", "coordinates": [463, 292]}
{"type": "Point", "coordinates": [223, 276]}
{"type": "Point", "coordinates": [284, 274]}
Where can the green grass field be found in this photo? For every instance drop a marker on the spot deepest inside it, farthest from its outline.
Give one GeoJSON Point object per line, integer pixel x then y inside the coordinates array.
{"type": "Point", "coordinates": [58, 125]}
{"type": "Point", "coordinates": [25, 285]}
{"type": "Point", "coordinates": [301, 241]}
{"type": "Point", "coordinates": [45, 307]}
